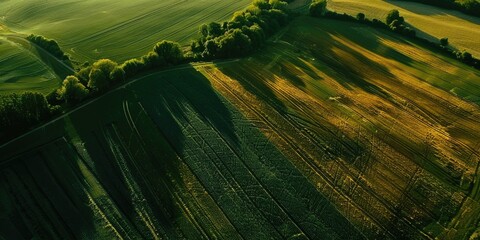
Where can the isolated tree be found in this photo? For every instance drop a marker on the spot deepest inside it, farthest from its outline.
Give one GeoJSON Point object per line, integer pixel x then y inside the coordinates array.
{"type": "Point", "coordinates": [361, 17]}
{"type": "Point", "coordinates": [394, 15]}
{"type": "Point", "coordinates": [318, 8]}
{"type": "Point", "coordinates": [170, 51]}
{"type": "Point", "coordinates": [72, 91]}
{"type": "Point", "coordinates": [444, 41]}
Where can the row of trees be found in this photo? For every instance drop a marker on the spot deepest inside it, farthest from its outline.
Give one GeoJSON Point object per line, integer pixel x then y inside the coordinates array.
{"type": "Point", "coordinates": [396, 23]}
{"type": "Point", "coordinates": [471, 7]}
{"type": "Point", "coordinates": [245, 32]}
{"type": "Point", "coordinates": [105, 73]}
{"type": "Point", "coordinates": [19, 112]}
{"type": "Point", "coordinates": [50, 46]}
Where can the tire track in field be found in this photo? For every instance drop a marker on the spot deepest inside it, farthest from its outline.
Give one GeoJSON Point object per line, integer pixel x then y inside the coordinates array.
{"type": "Point", "coordinates": [107, 202]}
{"type": "Point", "coordinates": [230, 181]}
{"type": "Point", "coordinates": [173, 193]}
{"type": "Point", "coordinates": [320, 144]}
{"type": "Point", "coordinates": [231, 148]}
{"type": "Point", "coordinates": [294, 149]}
{"type": "Point", "coordinates": [344, 167]}
{"type": "Point", "coordinates": [370, 192]}
{"type": "Point", "coordinates": [190, 170]}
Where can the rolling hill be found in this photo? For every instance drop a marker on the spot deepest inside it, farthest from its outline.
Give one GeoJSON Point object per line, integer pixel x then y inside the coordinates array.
{"type": "Point", "coordinates": [24, 67]}
{"type": "Point", "coordinates": [462, 30]}
{"type": "Point", "coordinates": [118, 30]}
{"type": "Point", "coordinates": [333, 131]}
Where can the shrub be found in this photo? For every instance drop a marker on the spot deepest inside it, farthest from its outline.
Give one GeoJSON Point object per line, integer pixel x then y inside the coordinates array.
{"type": "Point", "coordinates": [117, 74]}
{"type": "Point", "coordinates": [72, 91]}
{"type": "Point", "coordinates": [318, 8]}
{"type": "Point", "coordinates": [170, 51]}
{"type": "Point", "coordinates": [132, 67]}
{"type": "Point", "coordinates": [444, 41]}
{"type": "Point", "coordinates": [361, 17]}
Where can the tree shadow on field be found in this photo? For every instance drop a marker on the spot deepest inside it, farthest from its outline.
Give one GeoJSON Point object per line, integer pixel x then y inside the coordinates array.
{"type": "Point", "coordinates": [44, 196]}
{"type": "Point", "coordinates": [430, 10]}
{"type": "Point", "coordinates": [351, 68]}
{"type": "Point", "coordinates": [151, 122]}
{"type": "Point", "coordinates": [132, 141]}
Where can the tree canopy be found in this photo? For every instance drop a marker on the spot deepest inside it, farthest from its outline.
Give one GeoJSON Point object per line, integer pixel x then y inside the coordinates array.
{"type": "Point", "coordinates": [72, 90]}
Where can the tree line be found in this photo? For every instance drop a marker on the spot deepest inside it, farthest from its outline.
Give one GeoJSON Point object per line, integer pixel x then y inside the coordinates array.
{"type": "Point", "coordinates": [246, 31]}
{"type": "Point", "coordinates": [50, 46]}
{"type": "Point", "coordinates": [395, 23]}
{"type": "Point", "coordinates": [19, 112]}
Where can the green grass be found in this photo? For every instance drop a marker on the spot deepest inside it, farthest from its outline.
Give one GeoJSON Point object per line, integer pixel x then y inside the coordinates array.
{"type": "Point", "coordinates": [118, 30]}
{"type": "Point", "coordinates": [21, 69]}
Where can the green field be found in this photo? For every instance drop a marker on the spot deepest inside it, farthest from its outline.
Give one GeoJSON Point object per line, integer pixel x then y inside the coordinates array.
{"type": "Point", "coordinates": [462, 30]}
{"type": "Point", "coordinates": [21, 70]}
{"type": "Point", "coordinates": [333, 131]}
{"type": "Point", "coordinates": [170, 158]}
{"type": "Point", "coordinates": [118, 30]}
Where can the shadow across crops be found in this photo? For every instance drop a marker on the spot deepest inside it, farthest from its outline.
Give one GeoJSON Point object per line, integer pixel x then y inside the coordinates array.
{"type": "Point", "coordinates": [429, 10]}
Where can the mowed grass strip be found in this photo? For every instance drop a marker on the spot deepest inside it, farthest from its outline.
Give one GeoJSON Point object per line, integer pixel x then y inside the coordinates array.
{"type": "Point", "coordinates": [118, 30]}
{"type": "Point", "coordinates": [353, 108]}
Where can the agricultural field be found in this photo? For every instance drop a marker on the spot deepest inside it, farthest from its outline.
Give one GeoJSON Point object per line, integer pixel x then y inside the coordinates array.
{"type": "Point", "coordinates": [384, 128]}
{"type": "Point", "coordinates": [170, 158]}
{"type": "Point", "coordinates": [333, 131]}
{"type": "Point", "coordinates": [462, 30]}
{"type": "Point", "coordinates": [118, 30]}
{"type": "Point", "coordinates": [24, 67]}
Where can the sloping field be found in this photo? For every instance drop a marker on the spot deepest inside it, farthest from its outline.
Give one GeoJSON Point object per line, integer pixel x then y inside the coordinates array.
{"type": "Point", "coordinates": [114, 29]}
{"type": "Point", "coordinates": [22, 70]}
{"type": "Point", "coordinates": [463, 31]}
{"type": "Point", "coordinates": [334, 131]}
{"type": "Point", "coordinates": [376, 123]}
{"type": "Point", "coordinates": [165, 157]}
